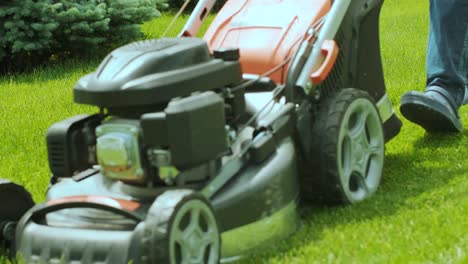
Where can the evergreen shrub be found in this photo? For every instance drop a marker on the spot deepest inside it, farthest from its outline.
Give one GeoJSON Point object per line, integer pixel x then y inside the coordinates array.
{"type": "Point", "coordinates": [31, 31]}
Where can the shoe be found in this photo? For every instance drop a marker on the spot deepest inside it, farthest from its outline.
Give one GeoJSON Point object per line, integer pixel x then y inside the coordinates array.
{"type": "Point", "coordinates": [435, 110]}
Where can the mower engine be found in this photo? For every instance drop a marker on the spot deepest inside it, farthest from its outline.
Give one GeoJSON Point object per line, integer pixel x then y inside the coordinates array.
{"type": "Point", "coordinates": [169, 112]}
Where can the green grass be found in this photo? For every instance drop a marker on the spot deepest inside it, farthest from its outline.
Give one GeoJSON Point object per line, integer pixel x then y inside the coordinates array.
{"type": "Point", "coordinates": [419, 215]}
{"type": "Point", "coordinates": [157, 27]}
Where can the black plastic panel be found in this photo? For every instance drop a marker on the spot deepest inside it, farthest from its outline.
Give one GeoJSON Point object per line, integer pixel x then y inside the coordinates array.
{"type": "Point", "coordinates": [196, 129]}
{"type": "Point", "coordinates": [154, 126]}
{"type": "Point", "coordinates": [140, 78]}
{"type": "Point", "coordinates": [68, 142]}
{"type": "Point", "coordinates": [359, 63]}
{"type": "Point", "coordinates": [259, 190]}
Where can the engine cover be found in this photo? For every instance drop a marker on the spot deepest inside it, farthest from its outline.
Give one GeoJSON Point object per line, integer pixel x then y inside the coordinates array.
{"type": "Point", "coordinates": [191, 128]}
{"type": "Point", "coordinates": [146, 75]}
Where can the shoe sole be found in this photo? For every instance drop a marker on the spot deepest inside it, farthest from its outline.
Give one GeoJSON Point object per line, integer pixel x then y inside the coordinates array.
{"type": "Point", "coordinates": [428, 113]}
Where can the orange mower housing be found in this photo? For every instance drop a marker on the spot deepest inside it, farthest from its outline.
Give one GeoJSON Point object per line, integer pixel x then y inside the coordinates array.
{"type": "Point", "coordinates": [263, 39]}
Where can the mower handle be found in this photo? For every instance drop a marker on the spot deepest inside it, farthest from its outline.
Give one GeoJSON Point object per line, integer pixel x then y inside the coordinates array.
{"type": "Point", "coordinates": [41, 210]}
{"type": "Point", "coordinates": [330, 51]}
{"type": "Point", "coordinates": [329, 29]}
{"type": "Point", "coordinates": [197, 17]}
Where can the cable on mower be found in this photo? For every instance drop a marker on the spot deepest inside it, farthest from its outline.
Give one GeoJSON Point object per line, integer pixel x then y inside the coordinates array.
{"type": "Point", "coordinates": [179, 13]}
{"type": "Point", "coordinates": [310, 37]}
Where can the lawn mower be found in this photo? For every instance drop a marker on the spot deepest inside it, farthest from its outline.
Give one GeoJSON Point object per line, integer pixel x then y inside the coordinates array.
{"type": "Point", "coordinates": [202, 148]}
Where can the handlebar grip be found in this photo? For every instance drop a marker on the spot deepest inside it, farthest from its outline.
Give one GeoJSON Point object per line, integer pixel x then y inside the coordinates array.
{"type": "Point", "coordinates": [330, 50]}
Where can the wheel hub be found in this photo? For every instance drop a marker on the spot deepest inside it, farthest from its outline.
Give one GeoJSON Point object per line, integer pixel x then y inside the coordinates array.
{"type": "Point", "coordinates": [361, 150]}
{"type": "Point", "coordinates": [194, 232]}
{"type": "Point", "coordinates": [195, 240]}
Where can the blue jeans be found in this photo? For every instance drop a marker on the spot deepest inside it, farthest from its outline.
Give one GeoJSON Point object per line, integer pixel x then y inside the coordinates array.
{"type": "Point", "coordinates": [447, 52]}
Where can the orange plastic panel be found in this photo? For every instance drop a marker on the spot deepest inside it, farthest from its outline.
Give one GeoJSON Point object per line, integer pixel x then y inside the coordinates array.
{"type": "Point", "coordinates": [266, 31]}
{"type": "Point", "coordinates": [330, 51]}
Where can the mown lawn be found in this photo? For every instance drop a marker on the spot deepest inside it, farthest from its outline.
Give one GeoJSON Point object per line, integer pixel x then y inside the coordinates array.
{"type": "Point", "coordinates": [419, 215]}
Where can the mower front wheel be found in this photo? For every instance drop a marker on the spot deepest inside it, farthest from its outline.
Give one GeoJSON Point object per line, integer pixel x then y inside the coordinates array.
{"type": "Point", "coordinates": [14, 202]}
{"type": "Point", "coordinates": [347, 149]}
{"type": "Point", "coordinates": [181, 228]}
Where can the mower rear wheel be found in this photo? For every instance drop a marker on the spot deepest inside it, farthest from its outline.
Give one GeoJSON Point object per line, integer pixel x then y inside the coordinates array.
{"type": "Point", "coordinates": [181, 228]}
{"type": "Point", "coordinates": [347, 150]}
{"type": "Point", "coordinates": [14, 202]}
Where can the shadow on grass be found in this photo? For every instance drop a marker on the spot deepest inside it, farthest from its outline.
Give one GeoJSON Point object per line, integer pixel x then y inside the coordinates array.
{"type": "Point", "coordinates": [406, 176]}
{"type": "Point", "coordinates": [442, 140]}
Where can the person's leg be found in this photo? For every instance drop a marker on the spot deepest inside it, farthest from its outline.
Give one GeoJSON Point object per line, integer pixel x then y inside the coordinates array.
{"type": "Point", "coordinates": [436, 109]}
{"type": "Point", "coordinates": [446, 51]}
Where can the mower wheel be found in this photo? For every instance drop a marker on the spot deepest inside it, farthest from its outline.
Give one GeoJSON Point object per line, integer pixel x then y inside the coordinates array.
{"type": "Point", "coordinates": [181, 228]}
{"type": "Point", "coordinates": [14, 202]}
{"type": "Point", "coordinates": [347, 150]}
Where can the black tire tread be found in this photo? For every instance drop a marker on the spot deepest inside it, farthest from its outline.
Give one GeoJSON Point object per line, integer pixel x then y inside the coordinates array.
{"type": "Point", "coordinates": [16, 195]}
{"type": "Point", "coordinates": [321, 182]}
{"type": "Point", "coordinates": [158, 222]}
